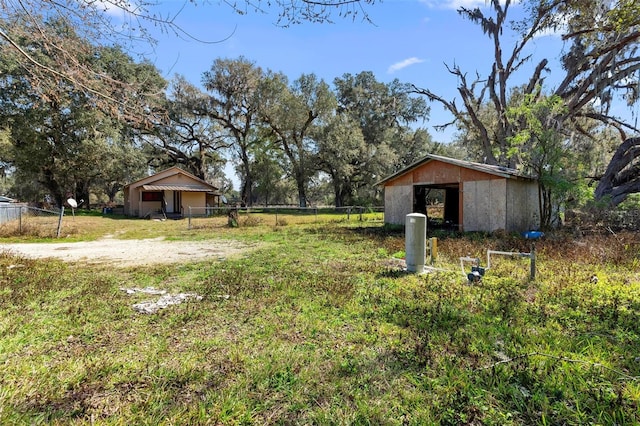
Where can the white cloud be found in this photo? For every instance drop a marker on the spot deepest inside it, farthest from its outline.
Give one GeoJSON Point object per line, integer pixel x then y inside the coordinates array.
{"type": "Point", "coordinates": [403, 64]}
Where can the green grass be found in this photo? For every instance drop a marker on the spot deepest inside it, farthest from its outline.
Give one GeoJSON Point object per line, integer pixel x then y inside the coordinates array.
{"type": "Point", "coordinates": [320, 327]}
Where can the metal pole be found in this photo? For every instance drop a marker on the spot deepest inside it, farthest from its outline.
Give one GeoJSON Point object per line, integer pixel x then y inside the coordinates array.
{"type": "Point", "coordinates": [533, 262]}
{"type": "Point", "coordinates": [60, 222]}
{"type": "Point", "coordinates": [189, 221]}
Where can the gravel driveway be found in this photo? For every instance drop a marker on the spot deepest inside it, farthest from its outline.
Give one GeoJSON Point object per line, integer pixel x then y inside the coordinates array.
{"type": "Point", "coordinates": [130, 252]}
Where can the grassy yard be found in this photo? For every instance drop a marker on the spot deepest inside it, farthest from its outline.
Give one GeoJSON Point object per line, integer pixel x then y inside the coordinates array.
{"type": "Point", "coordinates": [321, 326]}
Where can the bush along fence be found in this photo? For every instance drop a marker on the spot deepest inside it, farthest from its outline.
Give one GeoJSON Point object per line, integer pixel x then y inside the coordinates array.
{"type": "Point", "coordinates": [25, 220]}
{"type": "Point", "coordinates": [199, 217]}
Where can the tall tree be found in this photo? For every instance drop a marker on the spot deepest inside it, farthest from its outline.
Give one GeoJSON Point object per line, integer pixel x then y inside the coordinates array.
{"type": "Point", "coordinates": [234, 86]}
{"type": "Point", "coordinates": [291, 113]}
{"type": "Point", "coordinates": [601, 58]}
{"type": "Point", "coordinates": [57, 135]}
{"type": "Point", "coordinates": [188, 136]}
{"type": "Point", "coordinates": [540, 147]}
{"type": "Point", "coordinates": [341, 147]}
{"type": "Point", "coordinates": [385, 114]}
{"type": "Point", "coordinates": [122, 163]}
{"type": "Point", "coordinates": [271, 185]}
{"type": "Point", "coordinates": [598, 62]}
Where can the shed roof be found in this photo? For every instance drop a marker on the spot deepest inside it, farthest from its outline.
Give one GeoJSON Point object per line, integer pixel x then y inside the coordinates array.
{"type": "Point", "coordinates": [501, 171]}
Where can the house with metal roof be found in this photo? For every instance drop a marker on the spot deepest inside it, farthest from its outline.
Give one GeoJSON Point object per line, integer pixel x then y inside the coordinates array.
{"type": "Point", "coordinates": [477, 197]}
{"type": "Point", "coordinates": [168, 193]}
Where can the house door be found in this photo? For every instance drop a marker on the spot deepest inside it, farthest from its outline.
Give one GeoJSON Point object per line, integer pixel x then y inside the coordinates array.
{"type": "Point", "coordinates": [177, 202]}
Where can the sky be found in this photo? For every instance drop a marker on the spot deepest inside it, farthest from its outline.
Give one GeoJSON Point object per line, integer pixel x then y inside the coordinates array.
{"type": "Point", "coordinates": [408, 40]}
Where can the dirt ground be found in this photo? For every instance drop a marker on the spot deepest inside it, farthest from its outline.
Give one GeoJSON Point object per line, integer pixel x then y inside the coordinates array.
{"type": "Point", "coordinates": [130, 252]}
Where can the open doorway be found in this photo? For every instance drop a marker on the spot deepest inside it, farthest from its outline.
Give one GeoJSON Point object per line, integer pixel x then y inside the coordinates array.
{"type": "Point", "coordinates": [440, 203]}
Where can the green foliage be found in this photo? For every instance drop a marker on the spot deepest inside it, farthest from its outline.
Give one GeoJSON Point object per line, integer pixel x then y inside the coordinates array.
{"type": "Point", "coordinates": [371, 137]}
{"type": "Point", "coordinates": [624, 15]}
{"type": "Point", "coordinates": [631, 203]}
{"type": "Point", "coordinates": [540, 148]}
{"type": "Point", "coordinates": [63, 145]}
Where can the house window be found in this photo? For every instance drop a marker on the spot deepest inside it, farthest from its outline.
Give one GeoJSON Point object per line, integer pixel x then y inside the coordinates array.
{"type": "Point", "coordinates": [152, 196]}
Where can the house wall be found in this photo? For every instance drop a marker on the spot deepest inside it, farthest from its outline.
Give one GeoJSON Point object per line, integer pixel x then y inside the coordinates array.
{"type": "Point", "coordinates": [437, 172]}
{"type": "Point", "coordinates": [193, 199]}
{"type": "Point", "coordinates": [147, 207]}
{"type": "Point", "coordinates": [132, 201]}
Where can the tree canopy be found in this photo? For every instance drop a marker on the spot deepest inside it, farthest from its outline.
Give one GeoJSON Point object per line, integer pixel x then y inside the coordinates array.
{"type": "Point", "coordinates": [24, 23]}
{"type": "Point", "coordinates": [599, 65]}
{"type": "Point", "coordinates": [70, 91]}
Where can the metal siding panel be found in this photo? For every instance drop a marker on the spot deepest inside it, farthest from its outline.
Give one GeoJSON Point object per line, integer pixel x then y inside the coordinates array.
{"type": "Point", "coordinates": [182, 188]}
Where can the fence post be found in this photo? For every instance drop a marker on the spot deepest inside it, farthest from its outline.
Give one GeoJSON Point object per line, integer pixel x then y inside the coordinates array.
{"type": "Point", "coordinates": [189, 219]}
{"type": "Point", "coordinates": [20, 219]}
{"type": "Point", "coordinates": [60, 222]}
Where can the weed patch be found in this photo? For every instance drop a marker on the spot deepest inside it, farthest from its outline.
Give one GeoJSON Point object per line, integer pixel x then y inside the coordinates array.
{"type": "Point", "coordinates": [319, 327]}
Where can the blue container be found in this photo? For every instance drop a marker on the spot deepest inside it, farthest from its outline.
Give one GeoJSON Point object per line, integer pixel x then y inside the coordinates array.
{"type": "Point", "coordinates": [533, 235]}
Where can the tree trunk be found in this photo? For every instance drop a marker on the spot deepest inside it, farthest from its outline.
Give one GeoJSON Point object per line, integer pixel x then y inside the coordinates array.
{"type": "Point", "coordinates": [339, 195]}
{"type": "Point", "coordinates": [622, 176]}
{"type": "Point", "coordinates": [302, 191]}
{"type": "Point", "coordinates": [246, 193]}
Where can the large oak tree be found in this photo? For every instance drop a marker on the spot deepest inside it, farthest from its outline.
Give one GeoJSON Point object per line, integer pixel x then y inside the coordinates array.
{"type": "Point", "coordinates": [600, 64]}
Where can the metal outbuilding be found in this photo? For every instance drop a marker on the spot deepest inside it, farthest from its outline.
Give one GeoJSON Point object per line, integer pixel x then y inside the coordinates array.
{"type": "Point", "coordinates": [477, 197]}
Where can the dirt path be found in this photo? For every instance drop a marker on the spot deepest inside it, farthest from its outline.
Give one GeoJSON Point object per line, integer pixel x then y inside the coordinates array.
{"type": "Point", "coordinates": [131, 252]}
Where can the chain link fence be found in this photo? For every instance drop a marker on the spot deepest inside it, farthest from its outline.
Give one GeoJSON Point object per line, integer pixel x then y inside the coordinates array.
{"type": "Point", "coordinates": [25, 220]}
{"type": "Point", "coordinates": [212, 217]}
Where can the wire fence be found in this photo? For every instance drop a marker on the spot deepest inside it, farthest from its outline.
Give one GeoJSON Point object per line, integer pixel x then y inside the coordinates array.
{"type": "Point", "coordinates": [25, 220]}
{"type": "Point", "coordinates": [211, 217]}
